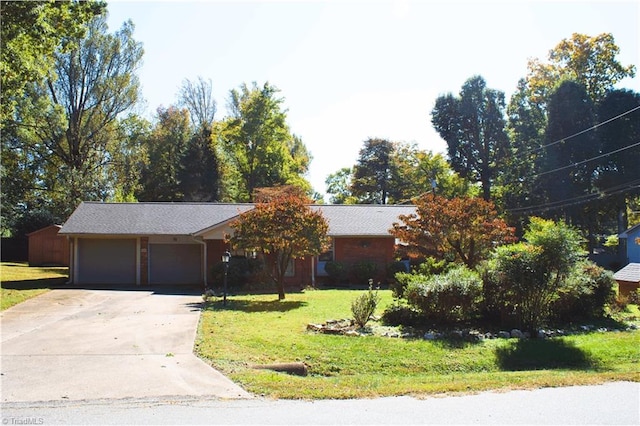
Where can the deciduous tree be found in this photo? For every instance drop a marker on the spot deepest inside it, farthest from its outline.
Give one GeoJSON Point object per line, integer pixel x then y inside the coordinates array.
{"type": "Point", "coordinates": [257, 144]}
{"type": "Point", "coordinates": [282, 229]}
{"type": "Point", "coordinates": [463, 229]}
{"type": "Point", "coordinates": [197, 98]}
{"type": "Point", "coordinates": [589, 61]}
{"type": "Point", "coordinates": [166, 146]}
{"type": "Point", "coordinates": [31, 32]}
{"type": "Point", "coordinates": [68, 125]}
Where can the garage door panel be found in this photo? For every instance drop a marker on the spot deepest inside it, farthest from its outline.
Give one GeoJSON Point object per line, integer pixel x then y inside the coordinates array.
{"type": "Point", "coordinates": [175, 263]}
{"type": "Point", "coordinates": [103, 261]}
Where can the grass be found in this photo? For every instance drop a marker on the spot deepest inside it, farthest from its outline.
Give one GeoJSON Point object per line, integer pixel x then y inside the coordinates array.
{"type": "Point", "coordinates": [257, 329]}
{"type": "Point", "coordinates": [20, 282]}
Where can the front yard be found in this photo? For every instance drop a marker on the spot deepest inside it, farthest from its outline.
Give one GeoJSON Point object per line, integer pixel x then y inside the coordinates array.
{"type": "Point", "coordinates": [21, 282]}
{"type": "Point", "coordinates": [257, 329]}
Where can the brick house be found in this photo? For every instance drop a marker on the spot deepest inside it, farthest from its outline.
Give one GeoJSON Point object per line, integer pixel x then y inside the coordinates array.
{"type": "Point", "coordinates": [179, 243]}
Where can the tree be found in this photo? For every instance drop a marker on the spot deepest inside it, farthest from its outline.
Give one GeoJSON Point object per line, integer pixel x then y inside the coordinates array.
{"type": "Point", "coordinates": [473, 126]}
{"type": "Point", "coordinates": [530, 274]}
{"type": "Point", "coordinates": [256, 143]}
{"type": "Point", "coordinates": [373, 172]}
{"type": "Point", "coordinates": [31, 32]}
{"type": "Point", "coordinates": [338, 185]}
{"type": "Point", "coordinates": [129, 158]}
{"type": "Point", "coordinates": [463, 229]}
{"type": "Point", "coordinates": [525, 127]}
{"type": "Point", "coordinates": [416, 172]}
{"type": "Point", "coordinates": [619, 174]}
{"type": "Point", "coordinates": [589, 61]}
{"type": "Point", "coordinates": [68, 125]}
{"type": "Point", "coordinates": [198, 173]}
{"type": "Point", "coordinates": [166, 146]}
{"type": "Point", "coordinates": [282, 229]}
{"type": "Point", "coordinates": [197, 98]}
{"type": "Point", "coordinates": [569, 174]}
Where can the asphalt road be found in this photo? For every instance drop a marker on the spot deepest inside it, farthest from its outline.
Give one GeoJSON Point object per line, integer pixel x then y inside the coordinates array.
{"type": "Point", "coordinates": [608, 404]}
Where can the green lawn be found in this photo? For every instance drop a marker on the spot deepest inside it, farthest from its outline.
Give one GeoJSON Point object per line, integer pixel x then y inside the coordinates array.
{"type": "Point", "coordinates": [21, 282]}
{"type": "Point", "coordinates": [258, 329]}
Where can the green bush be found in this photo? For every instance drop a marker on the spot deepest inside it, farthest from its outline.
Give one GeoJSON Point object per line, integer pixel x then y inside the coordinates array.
{"type": "Point", "coordinates": [526, 277]}
{"type": "Point", "coordinates": [365, 305]}
{"type": "Point", "coordinates": [422, 273]}
{"type": "Point", "coordinates": [240, 271]}
{"type": "Point", "coordinates": [452, 296]}
{"type": "Point", "coordinates": [586, 293]}
{"type": "Point", "coordinates": [364, 271]}
{"type": "Point", "coordinates": [394, 268]}
{"type": "Point", "coordinates": [336, 271]}
{"type": "Point", "coordinates": [400, 314]}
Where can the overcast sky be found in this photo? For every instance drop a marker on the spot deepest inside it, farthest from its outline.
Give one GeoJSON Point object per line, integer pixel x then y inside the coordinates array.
{"type": "Point", "coordinates": [351, 70]}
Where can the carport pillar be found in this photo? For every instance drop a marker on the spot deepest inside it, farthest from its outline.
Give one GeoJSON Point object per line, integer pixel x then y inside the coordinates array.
{"type": "Point", "coordinates": [144, 260]}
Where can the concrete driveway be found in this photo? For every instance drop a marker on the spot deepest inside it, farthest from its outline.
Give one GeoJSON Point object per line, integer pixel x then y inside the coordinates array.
{"type": "Point", "coordinates": [97, 344]}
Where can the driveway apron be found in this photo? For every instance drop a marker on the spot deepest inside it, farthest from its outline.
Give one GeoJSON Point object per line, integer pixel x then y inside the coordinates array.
{"type": "Point", "coordinates": [102, 344]}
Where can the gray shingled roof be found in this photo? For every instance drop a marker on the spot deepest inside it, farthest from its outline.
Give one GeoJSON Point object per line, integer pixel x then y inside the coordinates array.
{"type": "Point", "coordinates": [189, 218]}
{"type": "Point", "coordinates": [148, 218]}
{"type": "Point", "coordinates": [362, 219]}
{"type": "Point", "coordinates": [630, 273]}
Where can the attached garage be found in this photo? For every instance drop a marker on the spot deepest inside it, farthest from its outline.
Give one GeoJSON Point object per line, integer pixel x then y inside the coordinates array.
{"type": "Point", "coordinates": [175, 263]}
{"type": "Point", "coordinates": [106, 261]}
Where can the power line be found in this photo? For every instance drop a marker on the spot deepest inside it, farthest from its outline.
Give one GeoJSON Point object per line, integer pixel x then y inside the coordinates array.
{"type": "Point", "coordinates": [586, 161]}
{"type": "Point", "coordinates": [533, 176]}
{"type": "Point", "coordinates": [579, 199]}
{"type": "Point", "coordinates": [595, 126]}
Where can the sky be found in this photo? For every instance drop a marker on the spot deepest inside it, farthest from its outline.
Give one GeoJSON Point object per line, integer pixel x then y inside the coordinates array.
{"type": "Point", "coordinates": [353, 70]}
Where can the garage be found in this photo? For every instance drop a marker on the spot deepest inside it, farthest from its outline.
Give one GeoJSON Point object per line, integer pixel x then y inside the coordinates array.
{"type": "Point", "coordinates": [106, 261]}
{"type": "Point", "coordinates": [175, 264]}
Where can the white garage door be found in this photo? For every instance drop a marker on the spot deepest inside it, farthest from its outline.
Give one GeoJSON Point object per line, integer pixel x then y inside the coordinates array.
{"type": "Point", "coordinates": [106, 261]}
{"type": "Point", "coordinates": [175, 263]}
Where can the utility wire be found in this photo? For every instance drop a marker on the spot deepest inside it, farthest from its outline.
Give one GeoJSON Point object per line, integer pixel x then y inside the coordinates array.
{"type": "Point", "coordinates": [579, 199]}
{"type": "Point", "coordinates": [586, 161]}
{"type": "Point", "coordinates": [595, 126]}
{"type": "Point", "coordinates": [522, 178]}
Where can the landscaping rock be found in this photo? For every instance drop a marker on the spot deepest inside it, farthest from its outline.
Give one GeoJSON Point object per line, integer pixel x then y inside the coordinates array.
{"type": "Point", "coordinates": [504, 334]}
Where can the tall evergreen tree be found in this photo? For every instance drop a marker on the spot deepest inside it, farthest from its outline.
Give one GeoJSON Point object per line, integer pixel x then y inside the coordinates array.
{"type": "Point", "coordinates": [198, 174]}
{"type": "Point", "coordinates": [373, 172]}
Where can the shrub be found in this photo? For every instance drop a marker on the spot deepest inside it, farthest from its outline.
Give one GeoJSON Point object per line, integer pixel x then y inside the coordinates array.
{"type": "Point", "coordinates": [365, 305]}
{"type": "Point", "coordinates": [453, 296]}
{"type": "Point", "coordinates": [400, 314]}
{"type": "Point", "coordinates": [586, 293]}
{"type": "Point", "coordinates": [240, 272]}
{"type": "Point", "coordinates": [527, 277]}
{"type": "Point", "coordinates": [422, 273]}
{"type": "Point", "coordinates": [337, 272]}
{"type": "Point", "coordinates": [634, 297]}
{"type": "Point", "coordinates": [394, 268]}
{"type": "Point", "coordinates": [364, 271]}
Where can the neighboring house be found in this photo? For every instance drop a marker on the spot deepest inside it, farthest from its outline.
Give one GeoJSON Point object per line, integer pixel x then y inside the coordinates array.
{"type": "Point", "coordinates": [178, 243]}
{"type": "Point", "coordinates": [630, 239]}
{"type": "Point", "coordinates": [46, 247]}
{"type": "Point", "coordinates": [628, 279]}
